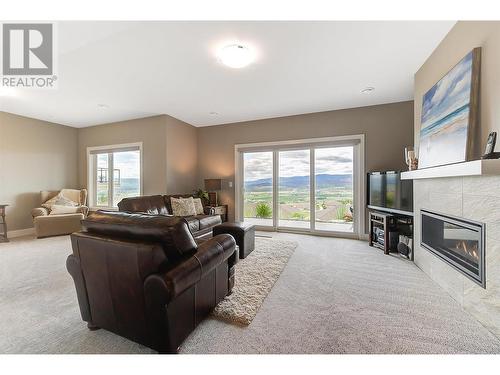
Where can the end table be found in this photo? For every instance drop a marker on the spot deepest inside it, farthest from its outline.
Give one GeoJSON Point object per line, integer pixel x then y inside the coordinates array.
{"type": "Point", "coordinates": [3, 224]}
{"type": "Point", "coordinates": [222, 210]}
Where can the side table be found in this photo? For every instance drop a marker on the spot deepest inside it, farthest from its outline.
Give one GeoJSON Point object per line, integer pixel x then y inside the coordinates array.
{"type": "Point", "coordinates": [221, 210]}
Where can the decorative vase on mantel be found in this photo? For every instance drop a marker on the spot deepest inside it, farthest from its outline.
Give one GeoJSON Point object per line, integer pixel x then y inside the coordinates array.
{"type": "Point", "coordinates": [410, 158]}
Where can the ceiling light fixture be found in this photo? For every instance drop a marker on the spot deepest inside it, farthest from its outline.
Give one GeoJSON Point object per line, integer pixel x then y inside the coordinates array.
{"type": "Point", "coordinates": [368, 90]}
{"type": "Point", "coordinates": [213, 113]}
{"type": "Point", "coordinates": [103, 106]}
{"type": "Point", "coordinates": [236, 56]}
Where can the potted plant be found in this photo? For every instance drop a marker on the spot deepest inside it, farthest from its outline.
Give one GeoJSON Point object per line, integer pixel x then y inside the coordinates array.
{"type": "Point", "coordinates": [202, 194]}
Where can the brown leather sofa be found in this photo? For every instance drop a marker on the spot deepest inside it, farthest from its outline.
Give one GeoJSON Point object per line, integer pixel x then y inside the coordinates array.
{"type": "Point", "coordinates": [199, 225]}
{"type": "Point", "coordinates": [145, 278]}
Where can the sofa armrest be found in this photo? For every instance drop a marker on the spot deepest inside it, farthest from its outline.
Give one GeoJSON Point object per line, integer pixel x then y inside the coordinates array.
{"type": "Point", "coordinates": [210, 254]}
{"type": "Point", "coordinates": [39, 211]}
{"type": "Point", "coordinates": [214, 251]}
{"type": "Point", "coordinates": [75, 270]}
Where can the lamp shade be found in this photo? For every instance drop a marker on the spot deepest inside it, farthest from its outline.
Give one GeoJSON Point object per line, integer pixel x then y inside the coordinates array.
{"type": "Point", "coordinates": [213, 184]}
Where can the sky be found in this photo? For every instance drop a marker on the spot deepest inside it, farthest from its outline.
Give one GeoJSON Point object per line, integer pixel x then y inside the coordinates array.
{"type": "Point", "coordinates": [450, 93]}
{"type": "Point", "coordinates": [127, 162]}
{"type": "Point", "coordinates": [338, 160]}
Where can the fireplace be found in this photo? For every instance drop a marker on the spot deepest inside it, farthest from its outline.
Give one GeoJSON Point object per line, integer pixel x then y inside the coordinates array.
{"type": "Point", "coordinates": [458, 242]}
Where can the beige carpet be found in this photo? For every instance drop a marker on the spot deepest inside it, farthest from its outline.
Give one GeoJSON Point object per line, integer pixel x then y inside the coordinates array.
{"type": "Point", "coordinates": [333, 296]}
{"type": "Point", "coordinates": [255, 276]}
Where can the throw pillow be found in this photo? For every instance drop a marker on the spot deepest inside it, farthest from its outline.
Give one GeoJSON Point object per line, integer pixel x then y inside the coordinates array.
{"type": "Point", "coordinates": [183, 206]}
{"type": "Point", "coordinates": [72, 194]}
{"type": "Point", "coordinates": [59, 200]}
{"type": "Point", "coordinates": [60, 210]}
{"type": "Point", "coordinates": [198, 206]}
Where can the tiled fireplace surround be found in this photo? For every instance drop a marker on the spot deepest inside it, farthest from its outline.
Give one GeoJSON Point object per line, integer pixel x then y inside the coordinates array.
{"type": "Point", "coordinates": [475, 198]}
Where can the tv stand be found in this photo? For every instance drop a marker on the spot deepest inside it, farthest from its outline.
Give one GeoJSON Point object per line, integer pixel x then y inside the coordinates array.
{"type": "Point", "coordinates": [386, 228]}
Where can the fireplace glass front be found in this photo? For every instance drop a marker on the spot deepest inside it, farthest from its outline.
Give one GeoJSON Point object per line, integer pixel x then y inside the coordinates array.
{"type": "Point", "coordinates": [457, 241]}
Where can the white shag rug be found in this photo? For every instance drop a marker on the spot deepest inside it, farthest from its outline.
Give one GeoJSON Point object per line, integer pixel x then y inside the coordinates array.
{"type": "Point", "coordinates": [254, 278]}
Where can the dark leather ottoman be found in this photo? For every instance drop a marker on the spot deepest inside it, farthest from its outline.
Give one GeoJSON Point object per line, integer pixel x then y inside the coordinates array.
{"type": "Point", "coordinates": [243, 233]}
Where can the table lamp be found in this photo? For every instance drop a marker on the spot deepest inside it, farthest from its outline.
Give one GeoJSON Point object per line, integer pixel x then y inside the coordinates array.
{"type": "Point", "coordinates": [213, 185]}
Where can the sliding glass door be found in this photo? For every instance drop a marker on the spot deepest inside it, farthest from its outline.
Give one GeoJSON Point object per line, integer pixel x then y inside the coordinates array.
{"type": "Point", "coordinates": [294, 190]}
{"type": "Point", "coordinates": [258, 188]}
{"type": "Point", "coordinates": [306, 188]}
{"type": "Point", "coordinates": [334, 189]}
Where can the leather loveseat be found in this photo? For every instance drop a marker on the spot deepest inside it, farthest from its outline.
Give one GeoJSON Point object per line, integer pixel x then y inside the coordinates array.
{"type": "Point", "coordinates": [145, 278]}
{"type": "Point", "coordinates": [199, 225]}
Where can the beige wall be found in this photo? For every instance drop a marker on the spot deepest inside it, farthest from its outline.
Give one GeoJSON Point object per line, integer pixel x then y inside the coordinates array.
{"type": "Point", "coordinates": [150, 131]}
{"type": "Point", "coordinates": [34, 155]}
{"type": "Point", "coordinates": [37, 155]}
{"type": "Point", "coordinates": [472, 197]}
{"type": "Point", "coordinates": [182, 157]}
{"type": "Point", "coordinates": [387, 128]}
{"type": "Point", "coordinates": [177, 156]}
{"type": "Point", "coordinates": [169, 151]}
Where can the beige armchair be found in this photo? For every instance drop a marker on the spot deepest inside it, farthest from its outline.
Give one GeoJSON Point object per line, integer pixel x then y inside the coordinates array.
{"type": "Point", "coordinates": [48, 222]}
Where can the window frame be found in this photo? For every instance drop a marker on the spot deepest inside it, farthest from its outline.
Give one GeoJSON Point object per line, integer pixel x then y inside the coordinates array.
{"type": "Point", "coordinates": [92, 171]}
{"type": "Point", "coordinates": [357, 141]}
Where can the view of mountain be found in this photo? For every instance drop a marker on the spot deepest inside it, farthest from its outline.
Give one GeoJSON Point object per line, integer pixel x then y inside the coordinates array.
{"type": "Point", "coordinates": [298, 182]}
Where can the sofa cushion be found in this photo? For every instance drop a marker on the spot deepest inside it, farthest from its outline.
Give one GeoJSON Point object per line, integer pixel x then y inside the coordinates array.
{"type": "Point", "coordinates": [59, 200]}
{"type": "Point", "coordinates": [167, 199]}
{"type": "Point", "coordinates": [183, 206]}
{"type": "Point", "coordinates": [208, 221]}
{"type": "Point", "coordinates": [198, 206]}
{"type": "Point", "coordinates": [60, 209]}
{"type": "Point", "coordinates": [55, 225]}
{"type": "Point", "coordinates": [152, 204]}
{"type": "Point", "coordinates": [73, 195]}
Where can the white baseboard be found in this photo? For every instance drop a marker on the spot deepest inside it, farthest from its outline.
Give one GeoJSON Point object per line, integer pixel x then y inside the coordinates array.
{"type": "Point", "coordinates": [20, 232]}
{"type": "Point", "coordinates": [364, 237]}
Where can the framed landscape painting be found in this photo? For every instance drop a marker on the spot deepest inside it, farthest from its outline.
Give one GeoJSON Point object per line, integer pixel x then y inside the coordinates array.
{"type": "Point", "coordinates": [449, 115]}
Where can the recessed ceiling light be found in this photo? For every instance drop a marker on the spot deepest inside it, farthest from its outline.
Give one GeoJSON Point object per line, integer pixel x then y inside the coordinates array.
{"type": "Point", "coordinates": [236, 56]}
{"type": "Point", "coordinates": [368, 90]}
{"type": "Point", "coordinates": [103, 106]}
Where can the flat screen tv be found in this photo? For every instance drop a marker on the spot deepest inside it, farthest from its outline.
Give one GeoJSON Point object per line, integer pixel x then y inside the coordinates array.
{"type": "Point", "coordinates": [387, 192]}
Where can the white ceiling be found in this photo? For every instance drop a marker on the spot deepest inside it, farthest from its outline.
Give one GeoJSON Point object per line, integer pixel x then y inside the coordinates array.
{"type": "Point", "coordinates": [140, 69]}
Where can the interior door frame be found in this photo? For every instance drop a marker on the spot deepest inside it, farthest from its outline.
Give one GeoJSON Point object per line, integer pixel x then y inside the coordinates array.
{"type": "Point", "coordinates": [359, 182]}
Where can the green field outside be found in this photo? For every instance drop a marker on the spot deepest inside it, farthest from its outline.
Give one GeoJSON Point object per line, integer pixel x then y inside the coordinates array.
{"type": "Point", "coordinates": [332, 204]}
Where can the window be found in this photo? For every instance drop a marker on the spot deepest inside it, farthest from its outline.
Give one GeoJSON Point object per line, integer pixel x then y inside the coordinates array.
{"type": "Point", "coordinates": [114, 174]}
{"type": "Point", "coordinates": [311, 185]}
